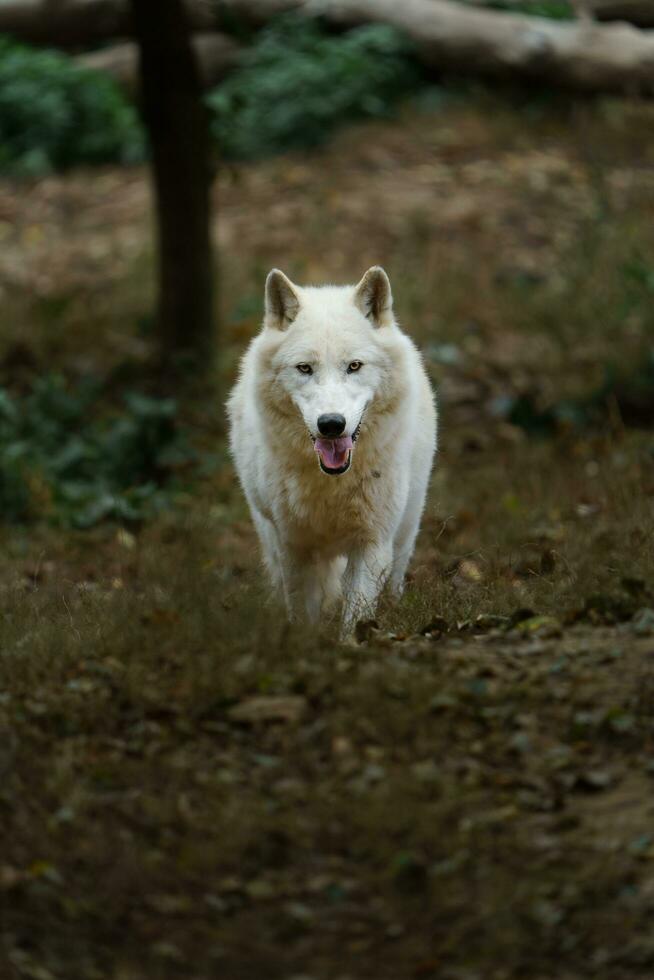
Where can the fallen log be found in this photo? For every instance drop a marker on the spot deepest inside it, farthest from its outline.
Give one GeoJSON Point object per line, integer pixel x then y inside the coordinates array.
{"type": "Point", "coordinates": [75, 23]}
{"type": "Point", "coordinates": [81, 23]}
{"type": "Point", "coordinates": [217, 55]}
{"type": "Point", "coordinates": [67, 25]}
{"type": "Point", "coordinates": [579, 55]}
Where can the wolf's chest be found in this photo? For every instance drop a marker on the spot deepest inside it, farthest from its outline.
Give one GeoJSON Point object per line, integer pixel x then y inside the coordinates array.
{"type": "Point", "coordinates": [332, 512]}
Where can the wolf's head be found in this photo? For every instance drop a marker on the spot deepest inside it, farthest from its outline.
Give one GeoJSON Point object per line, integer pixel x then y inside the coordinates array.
{"type": "Point", "coordinates": [328, 359]}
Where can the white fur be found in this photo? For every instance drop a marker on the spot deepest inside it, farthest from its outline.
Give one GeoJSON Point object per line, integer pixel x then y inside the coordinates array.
{"type": "Point", "coordinates": [325, 535]}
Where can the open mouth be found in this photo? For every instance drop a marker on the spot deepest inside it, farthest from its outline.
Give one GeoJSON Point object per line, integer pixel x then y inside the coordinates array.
{"type": "Point", "coordinates": [335, 455]}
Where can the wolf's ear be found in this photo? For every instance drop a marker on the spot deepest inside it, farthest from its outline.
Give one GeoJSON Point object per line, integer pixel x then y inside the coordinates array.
{"type": "Point", "coordinates": [282, 301]}
{"type": "Point", "coordinates": [374, 298]}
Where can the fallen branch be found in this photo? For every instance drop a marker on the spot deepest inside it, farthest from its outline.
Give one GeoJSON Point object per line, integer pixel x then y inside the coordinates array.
{"type": "Point", "coordinates": [216, 54]}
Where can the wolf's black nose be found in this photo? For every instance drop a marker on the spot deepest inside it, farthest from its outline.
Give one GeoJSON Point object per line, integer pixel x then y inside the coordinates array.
{"type": "Point", "coordinates": [331, 425]}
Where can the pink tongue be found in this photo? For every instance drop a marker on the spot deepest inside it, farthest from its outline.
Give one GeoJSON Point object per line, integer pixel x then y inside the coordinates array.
{"type": "Point", "coordinates": [333, 452]}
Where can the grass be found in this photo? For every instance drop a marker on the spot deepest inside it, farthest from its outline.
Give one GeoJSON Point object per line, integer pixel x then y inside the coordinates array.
{"type": "Point", "coordinates": [475, 803]}
{"type": "Point", "coordinates": [396, 818]}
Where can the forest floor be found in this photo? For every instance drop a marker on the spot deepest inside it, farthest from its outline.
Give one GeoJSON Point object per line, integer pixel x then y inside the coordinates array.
{"type": "Point", "coordinates": [190, 788]}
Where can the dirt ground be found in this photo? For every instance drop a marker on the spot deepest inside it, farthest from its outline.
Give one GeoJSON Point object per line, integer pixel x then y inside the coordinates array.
{"type": "Point", "coordinates": [190, 788]}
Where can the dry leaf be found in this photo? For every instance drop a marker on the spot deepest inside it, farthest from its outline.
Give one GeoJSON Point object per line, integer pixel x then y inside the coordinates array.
{"type": "Point", "coordinates": [265, 709]}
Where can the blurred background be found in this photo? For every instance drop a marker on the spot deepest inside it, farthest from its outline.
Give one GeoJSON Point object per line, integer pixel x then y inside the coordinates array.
{"type": "Point", "coordinates": [156, 160]}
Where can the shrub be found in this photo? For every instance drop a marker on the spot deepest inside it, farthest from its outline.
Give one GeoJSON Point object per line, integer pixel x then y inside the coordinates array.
{"type": "Point", "coordinates": [59, 457]}
{"type": "Point", "coordinates": [54, 114]}
{"type": "Point", "coordinates": [297, 83]}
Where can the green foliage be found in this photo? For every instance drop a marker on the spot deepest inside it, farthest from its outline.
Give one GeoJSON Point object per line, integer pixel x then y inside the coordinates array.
{"type": "Point", "coordinates": [551, 9]}
{"type": "Point", "coordinates": [54, 114]}
{"type": "Point", "coordinates": [629, 390]}
{"type": "Point", "coordinates": [59, 458]}
{"type": "Point", "coordinates": [297, 83]}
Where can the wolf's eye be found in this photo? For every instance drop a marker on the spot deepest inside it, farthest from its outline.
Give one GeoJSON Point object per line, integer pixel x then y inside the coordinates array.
{"type": "Point", "coordinates": [354, 366]}
{"type": "Point", "coordinates": [304, 368]}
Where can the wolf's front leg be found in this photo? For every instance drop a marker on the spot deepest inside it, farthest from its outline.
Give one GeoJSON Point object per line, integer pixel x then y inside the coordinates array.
{"type": "Point", "coordinates": [365, 577]}
{"type": "Point", "coordinates": [302, 589]}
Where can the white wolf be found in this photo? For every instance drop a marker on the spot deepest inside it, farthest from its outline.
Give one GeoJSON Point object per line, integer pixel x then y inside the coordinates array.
{"type": "Point", "coordinates": [333, 433]}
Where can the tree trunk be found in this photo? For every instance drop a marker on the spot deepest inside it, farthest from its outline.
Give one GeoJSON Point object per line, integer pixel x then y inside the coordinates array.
{"type": "Point", "coordinates": [178, 129]}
